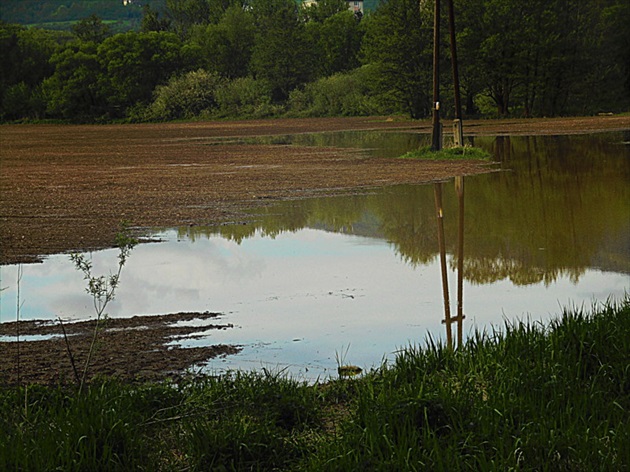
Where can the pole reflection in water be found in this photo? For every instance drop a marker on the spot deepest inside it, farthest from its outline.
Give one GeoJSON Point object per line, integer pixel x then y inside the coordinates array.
{"type": "Point", "coordinates": [439, 210]}
{"type": "Point", "coordinates": [459, 187]}
{"type": "Point", "coordinates": [440, 224]}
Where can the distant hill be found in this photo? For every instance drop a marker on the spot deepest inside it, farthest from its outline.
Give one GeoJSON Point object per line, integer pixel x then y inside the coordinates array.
{"type": "Point", "coordinates": [62, 14]}
{"type": "Point", "coordinates": [121, 15]}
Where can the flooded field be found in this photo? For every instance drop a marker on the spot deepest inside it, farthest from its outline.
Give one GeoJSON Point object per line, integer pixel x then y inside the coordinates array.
{"type": "Point", "coordinates": [306, 284]}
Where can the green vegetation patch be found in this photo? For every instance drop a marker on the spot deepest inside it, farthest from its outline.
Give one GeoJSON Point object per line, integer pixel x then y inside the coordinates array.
{"type": "Point", "coordinates": [459, 152]}
{"type": "Point", "coordinates": [525, 397]}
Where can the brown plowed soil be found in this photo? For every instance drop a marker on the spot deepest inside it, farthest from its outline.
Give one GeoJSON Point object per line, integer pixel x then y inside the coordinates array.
{"type": "Point", "coordinates": [67, 188]}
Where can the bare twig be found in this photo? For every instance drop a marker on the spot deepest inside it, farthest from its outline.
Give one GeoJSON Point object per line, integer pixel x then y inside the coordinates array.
{"type": "Point", "coordinates": [72, 362]}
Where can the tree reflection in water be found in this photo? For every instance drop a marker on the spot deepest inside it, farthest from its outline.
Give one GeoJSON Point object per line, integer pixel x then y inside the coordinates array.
{"type": "Point", "coordinates": [559, 207]}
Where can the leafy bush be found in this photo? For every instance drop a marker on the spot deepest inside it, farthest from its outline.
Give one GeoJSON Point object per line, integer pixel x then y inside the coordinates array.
{"type": "Point", "coordinates": [245, 97]}
{"type": "Point", "coordinates": [185, 96]}
{"type": "Point", "coordinates": [346, 94]}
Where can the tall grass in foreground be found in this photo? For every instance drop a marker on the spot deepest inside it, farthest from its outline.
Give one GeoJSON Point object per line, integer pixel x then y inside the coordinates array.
{"type": "Point", "coordinates": [533, 397]}
{"type": "Point", "coordinates": [528, 399]}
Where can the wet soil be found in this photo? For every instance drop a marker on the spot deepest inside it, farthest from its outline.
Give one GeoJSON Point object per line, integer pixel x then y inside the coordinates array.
{"type": "Point", "coordinates": [67, 188]}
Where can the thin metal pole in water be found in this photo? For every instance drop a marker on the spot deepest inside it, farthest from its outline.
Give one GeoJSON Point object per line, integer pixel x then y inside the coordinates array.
{"type": "Point", "coordinates": [440, 221]}
{"type": "Point", "coordinates": [459, 187]}
{"type": "Point", "coordinates": [437, 126]}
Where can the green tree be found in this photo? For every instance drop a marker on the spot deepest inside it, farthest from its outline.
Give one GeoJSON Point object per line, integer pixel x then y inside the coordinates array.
{"type": "Point", "coordinates": [611, 70]}
{"type": "Point", "coordinates": [153, 20]}
{"type": "Point", "coordinates": [397, 42]}
{"type": "Point", "coordinates": [545, 57]}
{"type": "Point", "coordinates": [595, 45]}
{"type": "Point", "coordinates": [184, 14]}
{"type": "Point", "coordinates": [470, 35]}
{"type": "Point", "coordinates": [11, 57]}
{"type": "Point", "coordinates": [321, 10]}
{"type": "Point", "coordinates": [24, 64]}
{"type": "Point", "coordinates": [74, 90]}
{"type": "Point", "coordinates": [135, 63]}
{"type": "Point", "coordinates": [91, 28]}
{"type": "Point", "coordinates": [226, 47]}
{"type": "Point", "coordinates": [568, 61]}
{"type": "Point", "coordinates": [282, 54]}
{"type": "Point", "coordinates": [501, 52]}
{"type": "Point", "coordinates": [337, 42]}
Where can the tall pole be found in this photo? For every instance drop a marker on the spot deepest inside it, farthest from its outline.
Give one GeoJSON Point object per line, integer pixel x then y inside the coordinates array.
{"type": "Point", "coordinates": [437, 127]}
{"type": "Point", "coordinates": [458, 132]}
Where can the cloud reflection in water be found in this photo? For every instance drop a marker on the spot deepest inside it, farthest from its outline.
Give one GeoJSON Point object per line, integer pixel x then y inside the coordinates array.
{"type": "Point", "coordinates": [297, 298]}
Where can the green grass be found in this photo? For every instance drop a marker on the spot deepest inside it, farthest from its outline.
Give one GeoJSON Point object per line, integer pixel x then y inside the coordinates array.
{"type": "Point", "coordinates": [530, 397]}
{"type": "Point", "coordinates": [464, 152]}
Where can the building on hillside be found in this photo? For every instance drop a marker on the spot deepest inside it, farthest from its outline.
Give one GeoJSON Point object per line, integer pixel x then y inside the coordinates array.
{"type": "Point", "coordinates": [355, 6]}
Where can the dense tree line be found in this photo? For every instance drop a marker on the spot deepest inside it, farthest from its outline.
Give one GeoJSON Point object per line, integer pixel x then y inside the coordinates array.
{"type": "Point", "coordinates": [219, 58]}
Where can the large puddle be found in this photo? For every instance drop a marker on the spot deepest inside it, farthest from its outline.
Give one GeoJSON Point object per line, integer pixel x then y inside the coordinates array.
{"type": "Point", "coordinates": [310, 283]}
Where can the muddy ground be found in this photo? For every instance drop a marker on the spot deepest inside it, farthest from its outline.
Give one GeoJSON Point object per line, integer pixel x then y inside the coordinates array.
{"type": "Point", "coordinates": [67, 188]}
{"type": "Point", "coordinates": [141, 348]}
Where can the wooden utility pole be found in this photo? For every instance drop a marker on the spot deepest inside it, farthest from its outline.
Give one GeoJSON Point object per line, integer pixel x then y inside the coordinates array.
{"type": "Point", "coordinates": [458, 130]}
{"type": "Point", "coordinates": [437, 126]}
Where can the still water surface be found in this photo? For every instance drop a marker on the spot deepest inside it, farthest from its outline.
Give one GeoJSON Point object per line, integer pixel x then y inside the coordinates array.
{"type": "Point", "coordinates": [359, 277]}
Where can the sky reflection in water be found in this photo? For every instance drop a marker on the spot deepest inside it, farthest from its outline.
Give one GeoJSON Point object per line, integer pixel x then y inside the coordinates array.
{"type": "Point", "coordinates": [306, 281]}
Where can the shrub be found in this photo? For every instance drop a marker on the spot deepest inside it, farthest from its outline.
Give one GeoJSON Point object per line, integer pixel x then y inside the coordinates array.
{"type": "Point", "coordinates": [346, 94]}
{"type": "Point", "coordinates": [245, 97]}
{"type": "Point", "coordinates": [185, 96]}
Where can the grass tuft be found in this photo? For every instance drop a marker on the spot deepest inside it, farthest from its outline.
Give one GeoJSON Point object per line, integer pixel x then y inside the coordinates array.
{"type": "Point", "coordinates": [460, 152]}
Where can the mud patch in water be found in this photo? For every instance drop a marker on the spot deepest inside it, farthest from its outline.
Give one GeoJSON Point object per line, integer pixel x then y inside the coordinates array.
{"type": "Point", "coordinates": [131, 349]}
